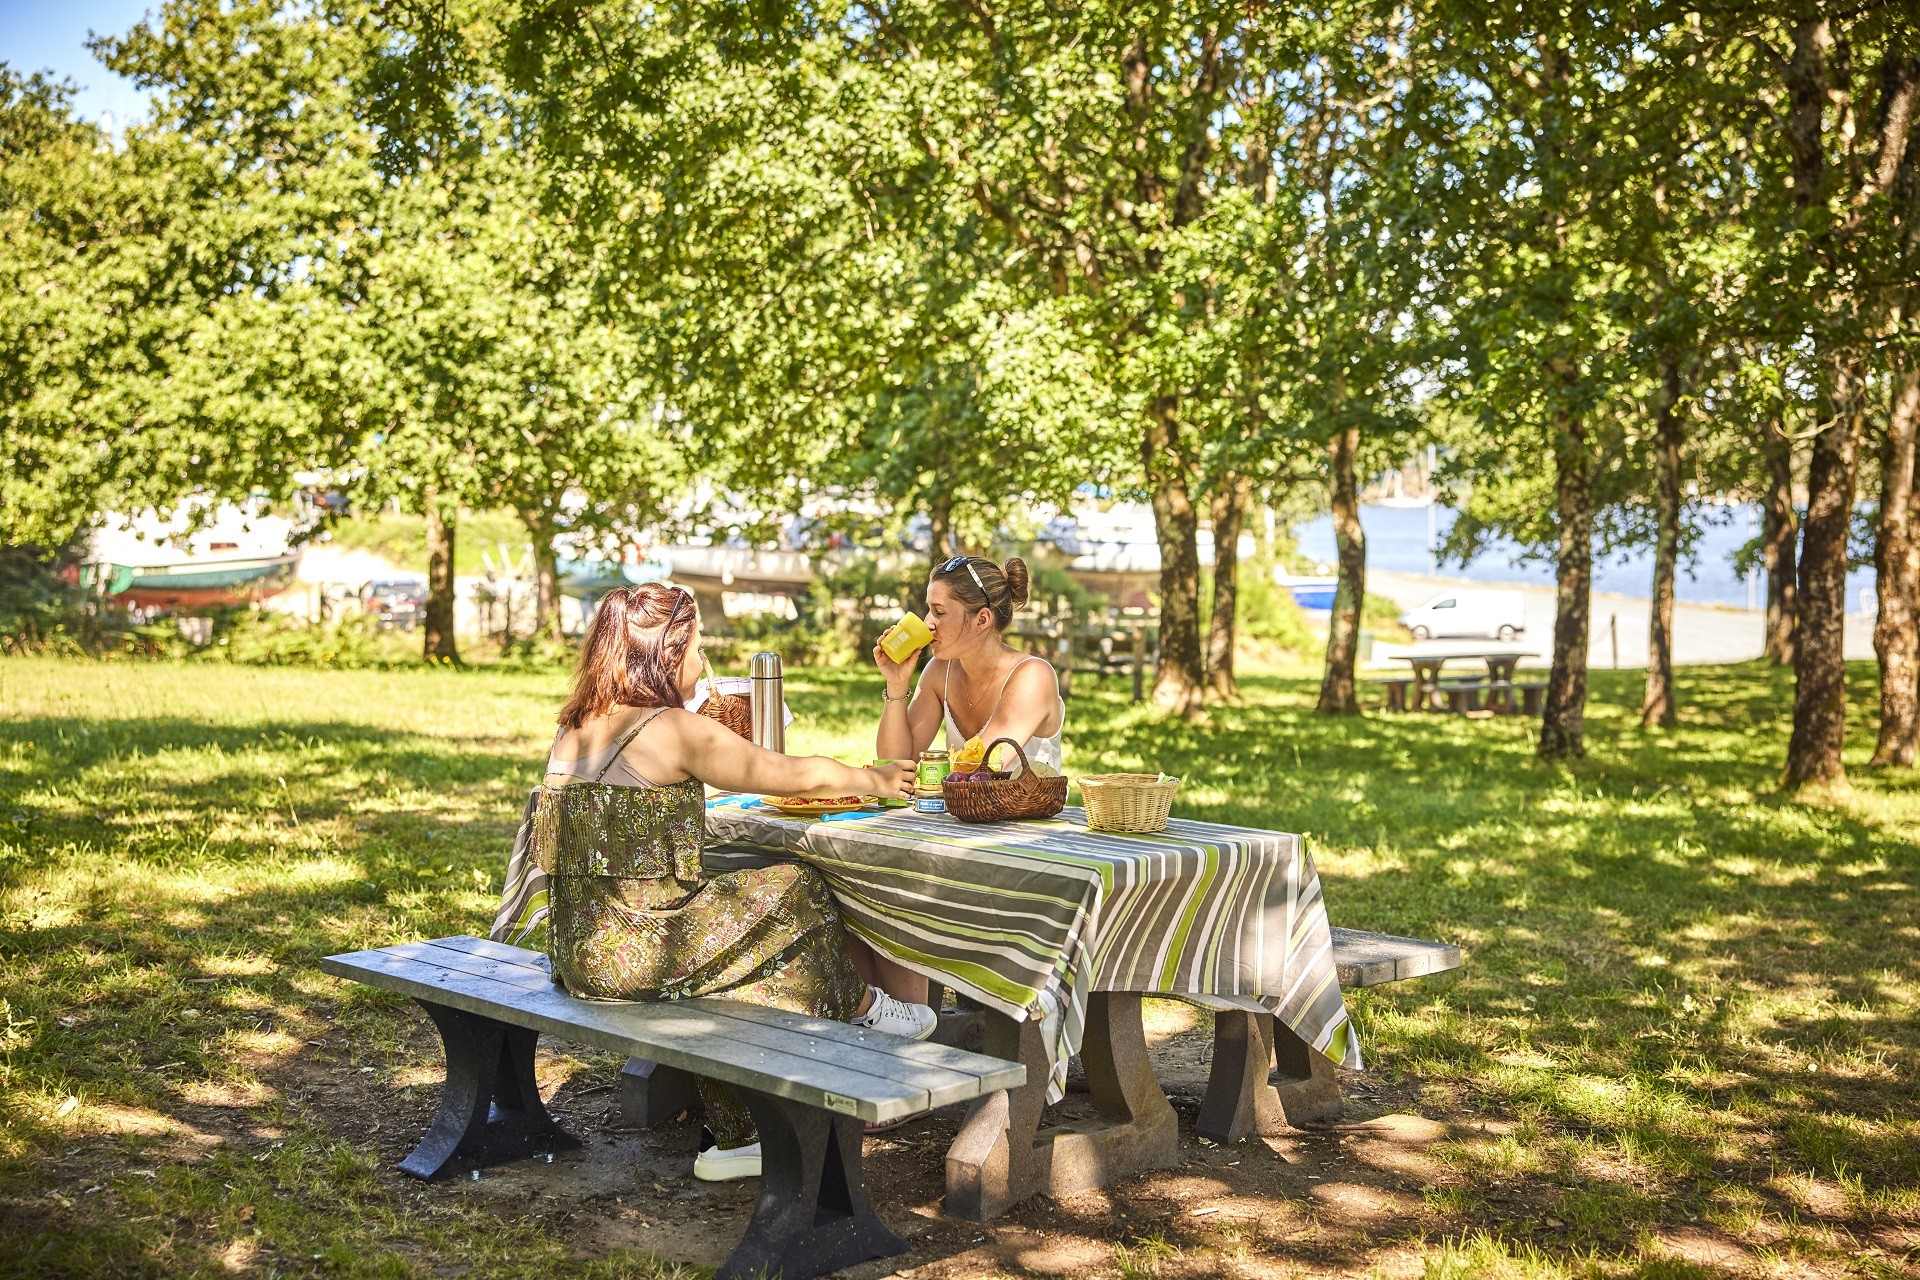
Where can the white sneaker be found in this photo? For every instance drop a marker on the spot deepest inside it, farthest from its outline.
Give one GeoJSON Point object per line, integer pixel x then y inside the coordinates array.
{"type": "Point", "coordinates": [897, 1017]}
{"type": "Point", "coordinates": [715, 1165]}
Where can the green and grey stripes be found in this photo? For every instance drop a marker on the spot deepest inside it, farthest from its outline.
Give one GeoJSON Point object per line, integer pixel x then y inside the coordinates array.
{"type": "Point", "coordinates": [1031, 917]}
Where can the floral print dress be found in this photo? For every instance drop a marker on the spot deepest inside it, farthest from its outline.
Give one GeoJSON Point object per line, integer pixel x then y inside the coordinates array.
{"type": "Point", "coordinates": [634, 917]}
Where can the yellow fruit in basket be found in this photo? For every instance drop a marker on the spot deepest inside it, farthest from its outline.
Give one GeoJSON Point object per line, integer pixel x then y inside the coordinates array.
{"type": "Point", "coordinates": [1041, 769]}
{"type": "Point", "coordinates": [971, 753]}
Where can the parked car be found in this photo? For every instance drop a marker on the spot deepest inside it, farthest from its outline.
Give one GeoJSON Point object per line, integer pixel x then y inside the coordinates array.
{"type": "Point", "coordinates": [1501, 615]}
{"type": "Point", "coordinates": [399, 603]}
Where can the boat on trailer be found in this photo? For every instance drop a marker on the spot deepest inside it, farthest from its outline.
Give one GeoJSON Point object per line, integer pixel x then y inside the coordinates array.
{"type": "Point", "coordinates": [191, 560]}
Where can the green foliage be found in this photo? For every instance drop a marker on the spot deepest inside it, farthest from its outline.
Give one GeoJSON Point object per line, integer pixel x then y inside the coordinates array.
{"type": "Point", "coordinates": [402, 539]}
{"type": "Point", "coordinates": [1382, 617]}
{"type": "Point", "coordinates": [257, 637]}
{"type": "Point", "coordinates": [1266, 612]}
{"type": "Point", "coordinates": [39, 611]}
{"type": "Point", "coordinates": [808, 641]}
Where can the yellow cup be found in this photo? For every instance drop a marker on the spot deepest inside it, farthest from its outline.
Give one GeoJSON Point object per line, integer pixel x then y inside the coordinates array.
{"type": "Point", "coordinates": [905, 638]}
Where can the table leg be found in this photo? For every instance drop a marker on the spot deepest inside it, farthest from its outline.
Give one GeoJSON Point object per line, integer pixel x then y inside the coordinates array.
{"type": "Point", "coordinates": [1247, 1095]}
{"type": "Point", "coordinates": [1305, 1078]}
{"type": "Point", "coordinates": [959, 1027]}
{"type": "Point", "coordinates": [1500, 671]}
{"type": "Point", "coordinates": [1001, 1156]}
{"type": "Point", "coordinates": [1240, 1098]}
{"type": "Point", "coordinates": [1426, 684]}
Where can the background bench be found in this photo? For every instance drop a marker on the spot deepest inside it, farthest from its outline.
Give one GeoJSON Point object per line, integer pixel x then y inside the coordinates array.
{"type": "Point", "coordinates": [1396, 688]}
{"type": "Point", "coordinates": [809, 1083]}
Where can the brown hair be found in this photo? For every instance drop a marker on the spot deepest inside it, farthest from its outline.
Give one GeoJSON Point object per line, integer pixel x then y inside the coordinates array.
{"type": "Point", "coordinates": [633, 653]}
{"type": "Point", "coordinates": [1001, 589]}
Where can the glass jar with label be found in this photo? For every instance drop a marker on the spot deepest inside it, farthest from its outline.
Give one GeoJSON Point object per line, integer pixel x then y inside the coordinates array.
{"type": "Point", "coordinates": [929, 773]}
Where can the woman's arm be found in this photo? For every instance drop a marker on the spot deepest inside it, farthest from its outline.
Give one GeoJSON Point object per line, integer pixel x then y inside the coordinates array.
{"type": "Point", "coordinates": [907, 726]}
{"type": "Point", "coordinates": [1028, 705]}
{"type": "Point", "coordinates": [684, 745]}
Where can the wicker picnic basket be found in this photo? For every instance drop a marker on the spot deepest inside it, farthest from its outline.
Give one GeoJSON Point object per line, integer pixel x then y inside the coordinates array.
{"type": "Point", "coordinates": [1027, 795]}
{"type": "Point", "coordinates": [1128, 801]}
{"type": "Point", "coordinates": [730, 709]}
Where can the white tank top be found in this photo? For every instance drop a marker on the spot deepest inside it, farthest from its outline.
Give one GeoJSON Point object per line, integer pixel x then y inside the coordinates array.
{"type": "Point", "coordinates": [1039, 750]}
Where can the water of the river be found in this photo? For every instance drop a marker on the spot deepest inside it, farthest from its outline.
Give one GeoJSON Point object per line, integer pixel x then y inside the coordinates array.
{"type": "Point", "coordinates": [1398, 538]}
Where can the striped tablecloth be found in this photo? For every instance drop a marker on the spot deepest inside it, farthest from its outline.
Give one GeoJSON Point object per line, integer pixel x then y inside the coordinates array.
{"type": "Point", "coordinates": [1030, 917]}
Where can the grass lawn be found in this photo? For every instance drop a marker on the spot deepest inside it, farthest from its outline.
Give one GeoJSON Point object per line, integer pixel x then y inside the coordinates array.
{"type": "Point", "coordinates": [1686, 1041]}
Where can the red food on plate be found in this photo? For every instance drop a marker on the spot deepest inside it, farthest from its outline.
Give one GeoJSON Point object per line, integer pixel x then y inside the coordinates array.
{"type": "Point", "coordinates": [815, 802]}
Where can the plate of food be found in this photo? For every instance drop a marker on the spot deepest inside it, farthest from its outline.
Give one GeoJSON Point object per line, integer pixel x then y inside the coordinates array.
{"type": "Point", "coordinates": [814, 807]}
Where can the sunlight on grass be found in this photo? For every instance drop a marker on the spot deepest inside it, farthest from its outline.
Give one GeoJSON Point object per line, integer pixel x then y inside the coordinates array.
{"type": "Point", "coordinates": [1687, 1005]}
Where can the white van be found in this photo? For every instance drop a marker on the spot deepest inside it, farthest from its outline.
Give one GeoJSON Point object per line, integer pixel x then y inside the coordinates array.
{"type": "Point", "coordinates": [1501, 615]}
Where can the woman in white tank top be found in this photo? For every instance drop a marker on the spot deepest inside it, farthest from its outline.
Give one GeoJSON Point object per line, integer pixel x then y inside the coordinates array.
{"type": "Point", "coordinates": [976, 686]}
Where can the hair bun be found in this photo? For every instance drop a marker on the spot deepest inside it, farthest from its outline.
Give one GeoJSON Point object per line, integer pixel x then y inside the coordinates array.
{"type": "Point", "coordinates": [1019, 580]}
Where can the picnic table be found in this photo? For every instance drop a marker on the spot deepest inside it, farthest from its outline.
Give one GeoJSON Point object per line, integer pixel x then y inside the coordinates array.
{"type": "Point", "coordinates": [1057, 932]}
{"type": "Point", "coordinates": [1500, 664]}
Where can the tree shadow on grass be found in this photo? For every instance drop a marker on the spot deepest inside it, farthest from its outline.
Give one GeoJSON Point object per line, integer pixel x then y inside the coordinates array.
{"type": "Point", "coordinates": [1608, 905]}
{"type": "Point", "coordinates": [1658, 947]}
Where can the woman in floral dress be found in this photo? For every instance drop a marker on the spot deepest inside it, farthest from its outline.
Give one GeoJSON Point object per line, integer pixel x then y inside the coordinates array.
{"type": "Point", "coordinates": [619, 826]}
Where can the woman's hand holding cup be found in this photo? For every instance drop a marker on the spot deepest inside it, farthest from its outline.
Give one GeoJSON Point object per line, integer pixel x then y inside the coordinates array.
{"type": "Point", "coordinates": [898, 675]}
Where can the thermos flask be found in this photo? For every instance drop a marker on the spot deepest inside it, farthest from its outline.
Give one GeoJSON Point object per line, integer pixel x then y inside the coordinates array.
{"type": "Point", "coordinates": [769, 702]}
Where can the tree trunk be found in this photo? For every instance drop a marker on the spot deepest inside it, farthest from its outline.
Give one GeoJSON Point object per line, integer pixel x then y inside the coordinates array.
{"type": "Point", "coordinates": [1229, 508]}
{"type": "Point", "coordinates": [546, 580]}
{"type": "Point", "coordinates": [1896, 633]}
{"type": "Point", "coordinates": [1562, 725]}
{"type": "Point", "coordinates": [439, 644]}
{"type": "Point", "coordinates": [1656, 707]}
{"type": "Point", "coordinates": [1337, 695]}
{"type": "Point", "coordinates": [1779, 541]}
{"type": "Point", "coordinates": [939, 543]}
{"type": "Point", "coordinates": [1179, 681]}
{"type": "Point", "coordinates": [1819, 665]}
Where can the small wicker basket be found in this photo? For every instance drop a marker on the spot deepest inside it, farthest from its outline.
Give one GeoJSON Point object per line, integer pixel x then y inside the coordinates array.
{"type": "Point", "coordinates": [730, 709]}
{"type": "Point", "coordinates": [1005, 799]}
{"type": "Point", "coordinates": [1128, 801]}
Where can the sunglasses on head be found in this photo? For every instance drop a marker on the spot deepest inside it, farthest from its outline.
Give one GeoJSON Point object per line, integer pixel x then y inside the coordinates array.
{"type": "Point", "coordinates": [973, 573]}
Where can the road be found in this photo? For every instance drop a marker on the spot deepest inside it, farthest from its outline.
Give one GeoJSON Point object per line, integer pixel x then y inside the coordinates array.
{"type": "Point", "coordinates": [1701, 633]}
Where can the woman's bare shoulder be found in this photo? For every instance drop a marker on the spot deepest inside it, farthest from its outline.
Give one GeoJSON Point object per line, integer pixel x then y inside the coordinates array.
{"type": "Point", "coordinates": [1034, 672]}
{"type": "Point", "coordinates": [675, 721]}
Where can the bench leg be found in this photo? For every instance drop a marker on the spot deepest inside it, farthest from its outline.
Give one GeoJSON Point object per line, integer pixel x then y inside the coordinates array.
{"type": "Point", "coordinates": [1001, 1156]}
{"type": "Point", "coordinates": [652, 1095]}
{"type": "Point", "coordinates": [814, 1214]}
{"type": "Point", "coordinates": [490, 1111]}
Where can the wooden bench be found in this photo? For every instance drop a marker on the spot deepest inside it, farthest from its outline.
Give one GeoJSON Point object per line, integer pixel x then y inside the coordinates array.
{"type": "Point", "coordinates": [809, 1083]}
{"type": "Point", "coordinates": [1396, 687]}
{"type": "Point", "coordinates": [1265, 1079]}
{"type": "Point", "coordinates": [1462, 696]}
{"type": "Point", "coordinates": [1533, 696]}
{"type": "Point", "coordinates": [1501, 696]}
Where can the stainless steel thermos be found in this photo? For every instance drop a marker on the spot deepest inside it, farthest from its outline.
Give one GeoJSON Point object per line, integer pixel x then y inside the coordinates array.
{"type": "Point", "coordinates": [769, 702]}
